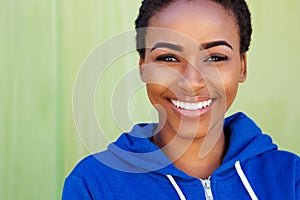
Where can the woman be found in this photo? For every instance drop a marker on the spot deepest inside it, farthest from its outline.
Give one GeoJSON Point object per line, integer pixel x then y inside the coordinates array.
{"type": "Point", "coordinates": [192, 59]}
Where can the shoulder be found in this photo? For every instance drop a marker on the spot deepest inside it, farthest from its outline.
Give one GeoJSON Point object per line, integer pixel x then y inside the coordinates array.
{"type": "Point", "coordinates": [85, 180]}
{"type": "Point", "coordinates": [269, 171]}
{"type": "Point", "coordinates": [280, 157]}
{"type": "Point", "coordinates": [93, 164]}
{"type": "Point", "coordinates": [278, 162]}
{"type": "Point", "coordinates": [101, 165]}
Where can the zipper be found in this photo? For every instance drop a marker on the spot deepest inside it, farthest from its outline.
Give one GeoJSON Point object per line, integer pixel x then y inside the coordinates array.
{"type": "Point", "coordinates": [207, 189]}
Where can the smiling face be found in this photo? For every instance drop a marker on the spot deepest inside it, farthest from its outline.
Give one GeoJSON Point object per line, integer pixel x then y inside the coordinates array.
{"type": "Point", "coordinates": [192, 66]}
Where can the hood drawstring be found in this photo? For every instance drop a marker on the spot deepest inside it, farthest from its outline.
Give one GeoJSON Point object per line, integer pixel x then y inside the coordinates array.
{"type": "Point", "coordinates": [177, 188]}
{"type": "Point", "coordinates": [244, 180]}
{"type": "Point", "coordinates": [240, 173]}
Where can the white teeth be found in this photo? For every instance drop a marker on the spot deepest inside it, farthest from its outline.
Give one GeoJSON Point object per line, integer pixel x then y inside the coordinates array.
{"type": "Point", "coordinates": [180, 104]}
{"type": "Point", "coordinates": [200, 105]}
{"type": "Point", "coordinates": [191, 106]}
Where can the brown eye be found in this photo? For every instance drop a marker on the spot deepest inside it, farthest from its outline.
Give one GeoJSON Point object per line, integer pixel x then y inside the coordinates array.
{"type": "Point", "coordinates": [167, 58]}
{"type": "Point", "coordinates": [216, 58]}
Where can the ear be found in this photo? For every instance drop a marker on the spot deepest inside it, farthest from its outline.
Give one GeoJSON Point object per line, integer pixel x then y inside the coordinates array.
{"type": "Point", "coordinates": [243, 72]}
{"type": "Point", "coordinates": [141, 69]}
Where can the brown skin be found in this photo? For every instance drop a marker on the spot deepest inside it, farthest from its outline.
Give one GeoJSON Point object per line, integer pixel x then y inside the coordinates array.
{"type": "Point", "coordinates": [190, 74]}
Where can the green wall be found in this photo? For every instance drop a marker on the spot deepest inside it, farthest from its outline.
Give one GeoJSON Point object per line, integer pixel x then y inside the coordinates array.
{"type": "Point", "coordinates": [271, 93]}
{"type": "Point", "coordinates": [44, 43]}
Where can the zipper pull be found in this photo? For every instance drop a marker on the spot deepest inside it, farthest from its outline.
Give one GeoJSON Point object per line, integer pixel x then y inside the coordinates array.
{"type": "Point", "coordinates": [207, 189]}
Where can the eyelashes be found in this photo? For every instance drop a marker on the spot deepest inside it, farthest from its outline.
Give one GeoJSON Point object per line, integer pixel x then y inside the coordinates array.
{"type": "Point", "coordinates": [167, 58]}
{"type": "Point", "coordinates": [214, 58]}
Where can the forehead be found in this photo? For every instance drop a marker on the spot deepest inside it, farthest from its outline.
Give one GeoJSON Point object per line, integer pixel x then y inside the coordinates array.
{"type": "Point", "coordinates": [200, 21]}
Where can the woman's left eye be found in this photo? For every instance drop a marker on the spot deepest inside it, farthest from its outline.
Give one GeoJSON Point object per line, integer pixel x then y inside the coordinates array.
{"type": "Point", "coordinates": [167, 58]}
{"type": "Point", "coordinates": [216, 58]}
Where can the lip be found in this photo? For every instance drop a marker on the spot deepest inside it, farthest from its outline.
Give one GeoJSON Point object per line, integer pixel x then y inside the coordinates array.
{"type": "Point", "coordinates": [193, 112]}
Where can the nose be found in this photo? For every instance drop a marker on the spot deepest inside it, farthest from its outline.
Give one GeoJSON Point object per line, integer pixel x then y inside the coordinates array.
{"type": "Point", "coordinates": [191, 80]}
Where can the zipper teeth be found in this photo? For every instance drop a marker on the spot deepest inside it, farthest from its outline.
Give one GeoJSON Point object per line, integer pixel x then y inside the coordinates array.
{"type": "Point", "coordinates": [207, 189]}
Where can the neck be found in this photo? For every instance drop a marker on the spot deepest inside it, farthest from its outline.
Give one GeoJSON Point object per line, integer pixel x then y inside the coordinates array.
{"type": "Point", "coordinates": [198, 157]}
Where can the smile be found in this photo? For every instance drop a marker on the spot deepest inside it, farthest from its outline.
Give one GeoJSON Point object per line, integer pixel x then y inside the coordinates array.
{"type": "Point", "coordinates": [191, 106]}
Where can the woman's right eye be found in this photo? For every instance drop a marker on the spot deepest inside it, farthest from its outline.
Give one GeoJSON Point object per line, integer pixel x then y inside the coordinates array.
{"type": "Point", "coordinates": [167, 58]}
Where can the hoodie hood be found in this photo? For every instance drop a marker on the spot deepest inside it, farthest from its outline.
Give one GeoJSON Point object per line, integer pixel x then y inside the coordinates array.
{"type": "Point", "coordinates": [139, 154]}
{"type": "Point", "coordinates": [246, 140]}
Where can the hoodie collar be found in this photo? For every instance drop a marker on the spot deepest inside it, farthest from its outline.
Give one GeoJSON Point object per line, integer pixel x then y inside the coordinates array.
{"type": "Point", "coordinates": [246, 138]}
{"type": "Point", "coordinates": [246, 141]}
{"type": "Point", "coordinates": [136, 148]}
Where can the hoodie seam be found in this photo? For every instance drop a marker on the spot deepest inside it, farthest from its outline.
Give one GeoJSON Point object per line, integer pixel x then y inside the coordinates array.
{"type": "Point", "coordinates": [86, 184]}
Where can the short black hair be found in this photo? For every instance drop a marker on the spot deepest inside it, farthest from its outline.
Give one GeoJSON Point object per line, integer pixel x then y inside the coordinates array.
{"type": "Point", "coordinates": [150, 8]}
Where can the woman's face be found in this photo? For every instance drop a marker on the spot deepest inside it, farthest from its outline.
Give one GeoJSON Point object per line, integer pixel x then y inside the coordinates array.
{"type": "Point", "coordinates": [192, 65]}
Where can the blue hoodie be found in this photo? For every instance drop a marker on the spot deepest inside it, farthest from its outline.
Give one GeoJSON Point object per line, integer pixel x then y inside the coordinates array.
{"type": "Point", "coordinates": [134, 168]}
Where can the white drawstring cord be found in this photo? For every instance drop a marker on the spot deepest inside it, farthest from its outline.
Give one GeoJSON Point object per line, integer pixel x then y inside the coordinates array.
{"type": "Point", "coordinates": [240, 173]}
{"type": "Point", "coordinates": [244, 180]}
{"type": "Point", "coordinates": [177, 188]}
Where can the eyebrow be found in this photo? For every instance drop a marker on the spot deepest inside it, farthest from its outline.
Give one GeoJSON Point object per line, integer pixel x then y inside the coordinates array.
{"type": "Point", "coordinates": [167, 45]}
{"type": "Point", "coordinates": [203, 46]}
{"type": "Point", "coordinates": [212, 44]}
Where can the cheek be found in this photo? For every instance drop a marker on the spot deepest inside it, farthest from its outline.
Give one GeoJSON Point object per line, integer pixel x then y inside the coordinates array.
{"type": "Point", "coordinates": [159, 74]}
{"type": "Point", "coordinates": [231, 84]}
{"type": "Point", "coordinates": [155, 92]}
{"type": "Point", "coordinates": [223, 83]}
{"type": "Point", "coordinates": [231, 90]}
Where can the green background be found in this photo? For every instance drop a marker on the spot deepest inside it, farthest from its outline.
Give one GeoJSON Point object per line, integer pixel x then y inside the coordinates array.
{"type": "Point", "coordinates": [44, 43]}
